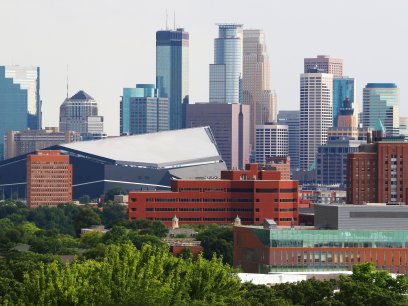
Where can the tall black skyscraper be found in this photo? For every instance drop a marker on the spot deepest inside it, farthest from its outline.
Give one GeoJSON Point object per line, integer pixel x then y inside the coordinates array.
{"type": "Point", "coordinates": [172, 72]}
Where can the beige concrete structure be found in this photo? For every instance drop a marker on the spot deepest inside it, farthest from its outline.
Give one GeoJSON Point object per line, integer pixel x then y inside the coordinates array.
{"type": "Point", "coordinates": [256, 82]}
{"type": "Point", "coordinates": [230, 126]}
{"type": "Point", "coordinates": [326, 64]}
{"type": "Point", "coordinates": [22, 142]}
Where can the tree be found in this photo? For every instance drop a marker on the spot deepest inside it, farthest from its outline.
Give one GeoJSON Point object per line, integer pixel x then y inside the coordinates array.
{"type": "Point", "coordinates": [113, 214]}
{"type": "Point", "coordinates": [218, 240]}
{"type": "Point", "coordinates": [110, 194]}
{"type": "Point", "coordinates": [85, 218]}
{"type": "Point", "coordinates": [369, 287]}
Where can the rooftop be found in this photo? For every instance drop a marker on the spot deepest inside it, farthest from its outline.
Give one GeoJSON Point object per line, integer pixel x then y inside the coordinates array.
{"type": "Point", "coordinates": [81, 95]}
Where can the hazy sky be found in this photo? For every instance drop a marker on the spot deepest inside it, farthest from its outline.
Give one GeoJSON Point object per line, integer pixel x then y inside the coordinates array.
{"type": "Point", "coordinates": [109, 45]}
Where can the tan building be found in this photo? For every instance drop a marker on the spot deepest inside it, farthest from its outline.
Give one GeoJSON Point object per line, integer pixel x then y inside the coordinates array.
{"type": "Point", "coordinates": [49, 179]}
{"type": "Point", "coordinates": [256, 82]}
{"type": "Point", "coordinates": [23, 142]}
{"type": "Point", "coordinates": [230, 126]}
{"type": "Point", "coordinates": [325, 63]}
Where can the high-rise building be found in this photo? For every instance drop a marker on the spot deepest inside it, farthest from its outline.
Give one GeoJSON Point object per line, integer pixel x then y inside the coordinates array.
{"type": "Point", "coordinates": [20, 101]}
{"type": "Point", "coordinates": [325, 64]}
{"type": "Point", "coordinates": [172, 72]}
{"type": "Point", "coordinates": [271, 141]}
{"type": "Point", "coordinates": [148, 115]}
{"type": "Point", "coordinates": [381, 103]}
{"type": "Point", "coordinates": [378, 172]}
{"type": "Point", "coordinates": [403, 130]}
{"type": "Point", "coordinates": [22, 142]}
{"type": "Point", "coordinates": [80, 114]}
{"type": "Point", "coordinates": [49, 179]}
{"type": "Point", "coordinates": [343, 88]}
{"type": "Point", "coordinates": [226, 72]}
{"type": "Point", "coordinates": [316, 105]}
{"type": "Point", "coordinates": [229, 124]}
{"type": "Point", "coordinates": [292, 120]}
{"type": "Point", "coordinates": [256, 81]}
{"type": "Point", "coordinates": [141, 90]}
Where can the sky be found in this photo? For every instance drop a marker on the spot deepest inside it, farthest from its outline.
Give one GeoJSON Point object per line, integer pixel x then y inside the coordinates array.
{"type": "Point", "coordinates": [109, 45]}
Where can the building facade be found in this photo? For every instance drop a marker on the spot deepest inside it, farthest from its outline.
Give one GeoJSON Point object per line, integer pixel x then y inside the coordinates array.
{"type": "Point", "coordinates": [292, 120]}
{"type": "Point", "coordinates": [272, 140]}
{"type": "Point", "coordinates": [251, 194]}
{"type": "Point", "coordinates": [403, 129]}
{"type": "Point", "coordinates": [377, 173]}
{"type": "Point", "coordinates": [80, 114]}
{"type": "Point", "coordinates": [256, 82]}
{"type": "Point", "coordinates": [172, 72]}
{"type": "Point", "coordinates": [381, 103]}
{"type": "Point", "coordinates": [141, 90]}
{"type": "Point", "coordinates": [226, 72]}
{"type": "Point", "coordinates": [49, 179]}
{"type": "Point", "coordinates": [20, 101]}
{"type": "Point", "coordinates": [326, 64]}
{"type": "Point", "coordinates": [22, 142]}
{"type": "Point", "coordinates": [343, 88]}
{"type": "Point", "coordinates": [331, 167]}
{"type": "Point", "coordinates": [135, 162]}
{"type": "Point", "coordinates": [229, 124]}
{"type": "Point", "coordinates": [260, 249]}
{"type": "Point", "coordinates": [316, 106]}
{"type": "Point", "coordinates": [146, 111]}
{"type": "Point", "coordinates": [280, 164]}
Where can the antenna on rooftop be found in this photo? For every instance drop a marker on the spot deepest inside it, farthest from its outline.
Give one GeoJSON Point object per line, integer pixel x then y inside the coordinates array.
{"type": "Point", "coordinates": [67, 81]}
{"type": "Point", "coordinates": [174, 20]}
{"type": "Point", "coordinates": [166, 21]}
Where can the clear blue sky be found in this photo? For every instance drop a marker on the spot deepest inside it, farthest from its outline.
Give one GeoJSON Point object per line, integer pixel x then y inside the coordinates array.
{"type": "Point", "coordinates": [109, 45]}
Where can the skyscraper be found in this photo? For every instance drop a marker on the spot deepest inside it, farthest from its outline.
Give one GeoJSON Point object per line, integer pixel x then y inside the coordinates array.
{"type": "Point", "coordinates": [271, 141]}
{"type": "Point", "coordinates": [316, 106]}
{"type": "Point", "coordinates": [148, 113]}
{"type": "Point", "coordinates": [226, 72]}
{"type": "Point", "coordinates": [381, 103]}
{"type": "Point", "coordinates": [292, 120]}
{"type": "Point", "coordinates": [230, 126]}
{"type": "Point", "coordinates": [256, 81]}
{"type": "Point", "coordinates": [20, 101]}
{"type": "Point", "coordinates": [343, 88]}
{"type": "Point", "coordinates": [141, 90]}
{"type": "Point", "coordinates": [325, 64]}
{"type": "Point", "coordinates": [172, 72]}
{"type": "Point", "coordinates": [80, 114]}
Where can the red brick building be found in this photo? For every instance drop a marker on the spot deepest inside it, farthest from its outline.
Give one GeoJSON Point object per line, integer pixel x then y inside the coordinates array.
{"type": "Point", "coordinates": [378, 173]}
{"type": "Point", "coordinates": [49, 179]}
{"type": "Point", "coordinates": [251, 194]}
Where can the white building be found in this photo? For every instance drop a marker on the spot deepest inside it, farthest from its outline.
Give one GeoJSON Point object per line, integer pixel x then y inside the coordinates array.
{"type": "Point", "coordinates": [272, 139]}
{"type": "Point", "coordinates": [316, 114]}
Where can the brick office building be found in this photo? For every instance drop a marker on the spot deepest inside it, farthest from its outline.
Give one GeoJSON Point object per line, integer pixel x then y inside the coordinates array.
{"type": "Point", "coordinates": [251, 194]}
{"type": "Point", "coordinates": [378, 173]}
{"type": "Point", "coordinates": [49, 179]}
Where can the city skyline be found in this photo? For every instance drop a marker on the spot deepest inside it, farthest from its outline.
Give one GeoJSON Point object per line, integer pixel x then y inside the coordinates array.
{"type": "Point", "coordinates": [101, 58]}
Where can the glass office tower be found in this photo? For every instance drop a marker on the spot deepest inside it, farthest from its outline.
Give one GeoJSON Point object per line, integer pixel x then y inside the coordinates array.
{"type": "Point", "coordinates": [343, 87]}
{"type": "Point", "coordinates": [140, 91]}
{"type": "Point", "coordinates": [226, 72]}
{"type": "Point", "coordinates": [381, 103]}
{"type": "Point", "coordinates": [172, 72]}
{"type": "Point", "coordinates": [20, 101]}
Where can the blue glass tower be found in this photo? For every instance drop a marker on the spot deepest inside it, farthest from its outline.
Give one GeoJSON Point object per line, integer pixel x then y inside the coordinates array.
{"type": "Point", "coordinates": [226, 72]}
{"type": "Point", "coordinates": [141, 90]}
{"type": "Point", "coordinates": [343, 87]}
{"type": "Point", "coordinates": [172, 72]}
{"type": "Point", "coordinates": [20, 102]}
{"type": "Point", "coordinates": [381, 104]}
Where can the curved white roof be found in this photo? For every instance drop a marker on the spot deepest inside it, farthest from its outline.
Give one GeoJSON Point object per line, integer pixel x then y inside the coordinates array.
{"type": "Point", "coordinates": [160, 150]}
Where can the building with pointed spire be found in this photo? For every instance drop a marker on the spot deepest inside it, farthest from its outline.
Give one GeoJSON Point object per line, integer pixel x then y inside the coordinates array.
{"type": "Point", "coordinates": [80, 114]}
{"type": "Point", "coordinates": [256, 90]}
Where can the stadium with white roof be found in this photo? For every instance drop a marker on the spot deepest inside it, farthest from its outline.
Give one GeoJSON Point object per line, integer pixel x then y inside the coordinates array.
{"type": "Point", "coordinates": [137, 162]}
